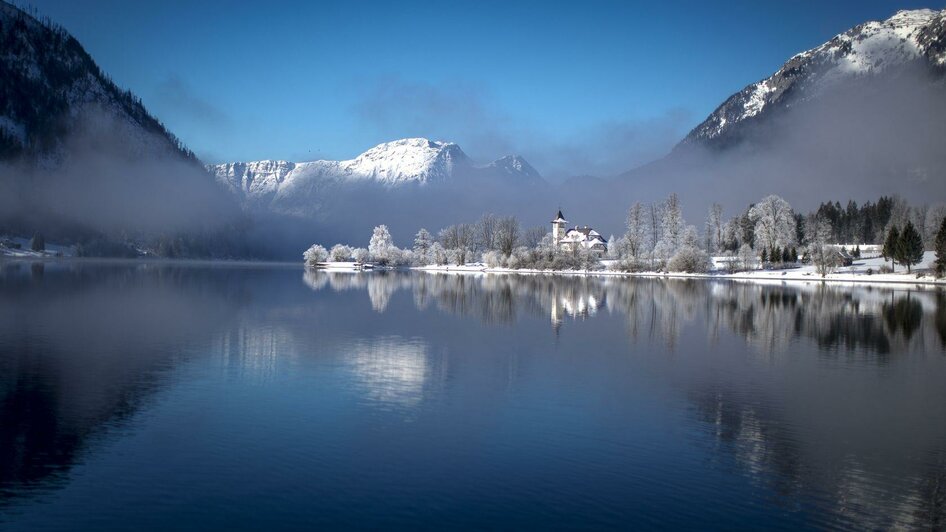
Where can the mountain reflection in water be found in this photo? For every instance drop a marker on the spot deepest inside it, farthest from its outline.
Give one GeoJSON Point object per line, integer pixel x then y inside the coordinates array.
{"type": "Point", "coordinates": [463, 400]}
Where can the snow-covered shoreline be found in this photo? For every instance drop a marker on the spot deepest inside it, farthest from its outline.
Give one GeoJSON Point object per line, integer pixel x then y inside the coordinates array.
{"type": "Point", "coordinates": [851, 275]}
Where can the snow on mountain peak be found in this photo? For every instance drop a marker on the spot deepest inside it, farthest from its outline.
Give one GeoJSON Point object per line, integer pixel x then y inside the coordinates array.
{"type": "Point", "coordinates": [866, 49]}
{"type": "Point", "coordinates": [412, 161]}
{"type": "Point", "coordinates": [408, 160]}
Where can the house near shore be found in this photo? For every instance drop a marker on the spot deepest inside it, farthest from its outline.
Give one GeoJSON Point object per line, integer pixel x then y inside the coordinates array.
{"type": "Point", "coordinates": [577, 237]}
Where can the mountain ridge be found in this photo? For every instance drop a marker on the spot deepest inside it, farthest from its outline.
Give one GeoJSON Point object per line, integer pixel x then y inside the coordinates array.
{"type": "Point", "coordinates": [869, 49]}
{"type": "Point", "coordinates": [395, 164]}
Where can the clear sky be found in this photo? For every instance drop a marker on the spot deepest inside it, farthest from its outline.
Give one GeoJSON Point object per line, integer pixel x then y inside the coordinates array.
{"type": "Point", "coordinates": [587, 87]}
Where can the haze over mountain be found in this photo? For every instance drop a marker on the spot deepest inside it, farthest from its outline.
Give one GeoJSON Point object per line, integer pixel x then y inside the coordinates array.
{"type": "Point", "coordinates": [859, 116]}
{"type": "Point", "coordinates": [862, 115]}
{"type": "Point", "coordinates": [406, 184]}
{"type": "Point", "coordinates": [81, 158]}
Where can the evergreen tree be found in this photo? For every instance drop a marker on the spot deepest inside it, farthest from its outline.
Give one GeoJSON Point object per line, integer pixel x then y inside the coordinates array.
{"type": "Point", "coordinates": [939, 246]}
{"type": "Point", "coordinates": [891, 245]}
{"type": "Point", "coordinates": [764, 256]}
{"type": "Point", "coordinates": [787, 255]}
{"type": "Point", "coordinates": [857, 251]}
{"type": "Point", "coordinates": [38, 243]}
{"type": "Point", "coordinates": [911, 246]}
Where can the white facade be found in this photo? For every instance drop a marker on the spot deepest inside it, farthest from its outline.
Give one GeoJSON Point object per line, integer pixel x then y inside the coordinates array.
{"type": "Point", "coordinates": [577, 237]}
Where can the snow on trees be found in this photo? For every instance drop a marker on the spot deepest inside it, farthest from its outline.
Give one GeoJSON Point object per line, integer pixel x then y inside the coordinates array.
{"type": "Point", "coordinates": [773, 223]}
{"type": "Point", "coordinates": [934, 219]}
{"type": "Point", "coordinates": [690, 258]}
{"type": "Point", "coordinates": [891, 245]}
{"type": "Point", "coordinates": [340, 253]}
{"type": "Point", "coordinates": [939, 247]}
{"type": "Point", "coordinates": [459, 240]}
{"type": "Point", "coordinates": [381, 246]}
{"type": "Point", "coordinates": [636, 238]}
{"type": "Point", "coordinates": [422, 242]}
{"type": "Point", "coordinates": [672, 223]}
{"type": "Point", "coordinates": [507, 235]}
{"type": "Point", "coordinates": [823, 255]}
{"type": "Point", "coordinates": [714, 229]}
{"type": "Point", "coordinates": [747, 257]}
{"type": "Point", "coordinates": [437, 254]}
{"type": "Point", "coordinates": [360, 255]}
{"type": "Point", "coordinates": [314, 255]}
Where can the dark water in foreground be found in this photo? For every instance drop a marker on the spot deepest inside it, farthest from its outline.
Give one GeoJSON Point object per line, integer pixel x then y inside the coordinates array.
{"type": "Point", "coordinates": [148, 396]}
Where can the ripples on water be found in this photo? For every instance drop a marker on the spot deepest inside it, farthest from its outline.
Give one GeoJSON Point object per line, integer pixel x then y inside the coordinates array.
{"type": "Point", "coordinates": [136, 395]}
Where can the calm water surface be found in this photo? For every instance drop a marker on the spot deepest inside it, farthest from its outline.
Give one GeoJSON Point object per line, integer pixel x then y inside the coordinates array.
{"type": "Point", "coordinates": [151, 396]}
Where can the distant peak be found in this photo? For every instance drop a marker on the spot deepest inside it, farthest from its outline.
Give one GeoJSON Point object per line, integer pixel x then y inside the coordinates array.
{"type": "Point", "coordinates": [514, 164]}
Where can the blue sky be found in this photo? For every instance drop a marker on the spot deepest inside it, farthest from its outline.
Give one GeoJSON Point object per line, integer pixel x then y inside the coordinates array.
{"type": "Point", "coordinates": [577, 88]}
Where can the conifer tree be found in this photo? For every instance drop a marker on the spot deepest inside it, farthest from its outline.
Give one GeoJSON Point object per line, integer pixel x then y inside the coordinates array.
{"type": "Point", "coordinates": [764, 256]}
{"type": "Point", "coordinates": [911, 246]}
{"type": "Point", "coordinates": [38, 243]}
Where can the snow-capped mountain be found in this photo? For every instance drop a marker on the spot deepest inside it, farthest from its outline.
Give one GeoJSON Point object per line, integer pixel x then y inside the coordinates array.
{"type": "Point", "coordinates": [299, 188]}
{"type": "Point", "coordinates": [874, 48]}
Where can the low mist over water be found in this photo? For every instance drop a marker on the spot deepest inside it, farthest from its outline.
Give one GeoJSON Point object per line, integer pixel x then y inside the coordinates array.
{"type": "Point", "coordinates": [238, 396]}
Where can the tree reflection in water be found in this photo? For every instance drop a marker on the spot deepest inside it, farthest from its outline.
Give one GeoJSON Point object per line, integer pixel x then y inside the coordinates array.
{"type": "Point", "coordinates": [868, 321]}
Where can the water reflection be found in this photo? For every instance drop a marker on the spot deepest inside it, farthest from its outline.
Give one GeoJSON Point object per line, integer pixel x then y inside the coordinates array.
{"type": "Point", "coordinates": [81, 349]}
{"type": "Point", "coordinates": [827, 399]}
{"type": "Point", "coordinates": [390, 371]}
{"type": "Point", "coordinates": [868, 321]}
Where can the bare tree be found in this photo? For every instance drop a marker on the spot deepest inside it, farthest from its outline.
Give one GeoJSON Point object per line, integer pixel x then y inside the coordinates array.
{"type": "Point", "coordinates": [533, 236]}
{"type": "Point", "coordinates": [486, 232]}
{"type": "Point", "coordinates": [507, 235]}
{"type": "Point", "coordinates": [656, 234]}
{"type": "Point", "coordinates": [637, 229]}
{"type": "Point", "coordinates": [714, 229]}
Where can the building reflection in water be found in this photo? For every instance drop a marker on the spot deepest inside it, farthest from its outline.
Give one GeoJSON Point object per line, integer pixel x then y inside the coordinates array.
{"type": "Point", "coordinates": [870, 321]}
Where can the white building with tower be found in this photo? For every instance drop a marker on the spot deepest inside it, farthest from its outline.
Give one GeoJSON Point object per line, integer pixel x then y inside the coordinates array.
{"type": "Point", "coordinates": [577, 237]}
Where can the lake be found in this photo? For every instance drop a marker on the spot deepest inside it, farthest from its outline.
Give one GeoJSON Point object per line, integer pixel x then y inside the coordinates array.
{"type": "Point", "coordinates": [139, 395]}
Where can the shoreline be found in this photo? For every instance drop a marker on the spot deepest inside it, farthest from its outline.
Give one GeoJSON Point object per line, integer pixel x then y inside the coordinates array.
{"type": "Point", "coordinates": [766, 276]}
{"type": "Point", "coordinates": [762, 276]}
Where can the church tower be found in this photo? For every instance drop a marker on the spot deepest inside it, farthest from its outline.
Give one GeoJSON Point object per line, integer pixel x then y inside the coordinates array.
{"type": "Point", "coordinates": [558, 228]}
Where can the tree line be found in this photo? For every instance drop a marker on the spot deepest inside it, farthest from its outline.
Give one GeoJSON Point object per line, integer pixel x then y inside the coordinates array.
{"type": "Point", "coordinates": [768, 233]}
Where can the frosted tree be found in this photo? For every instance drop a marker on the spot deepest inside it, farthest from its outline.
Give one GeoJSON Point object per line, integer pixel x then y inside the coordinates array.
{"type": "Point", "coordinates": [438, 254]}
{"type": "Point", "coordinates": [899, 214]}
{"type": "Point", "coordinates": [381, 244]}
{"type": "Point", "coordinates": [340, 253]}
{"type": "Point", "coordinates": [939, 246]}
{"type": "Point", "coordinates": [360, 255]}
{"type": "Point", "coordinates": [315, 255]}
{"type": "Point", "coordinates": [714, 229]}
{"type": "Point", "coordinates": [637, 231]}
{"type": "Point", "coordinates": [672, 227]}
{"type": "Point", "coordinates": [934, 219]}
{"type": "Point", "coordinates": [672, 224]}
{"type": "Point", "coordinates": [422, 242]}
{"type": "Point", "coordinates": [507, 235]}
{"type": "Point", "coordinates": [823, 255]}
{"type": "Point", "coordinates": [487, 230]}
{"type": "Point", "coordinates": [747, 257]}
{"type": "Point", "coordinates": [773, 223]}
{"type": "Point", "coordinates": [731, 233]}
{"type": "Point", "coordinates": [689, 257]}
